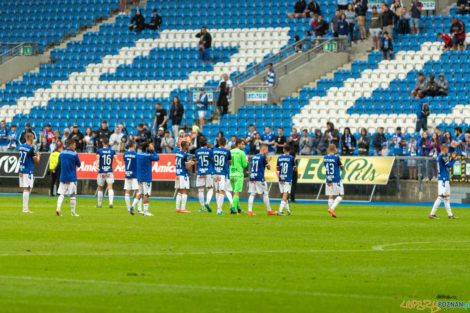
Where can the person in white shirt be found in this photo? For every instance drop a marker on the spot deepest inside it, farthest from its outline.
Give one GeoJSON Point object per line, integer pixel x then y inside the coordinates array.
{"type": "Point", "coordinates": [115, 139]}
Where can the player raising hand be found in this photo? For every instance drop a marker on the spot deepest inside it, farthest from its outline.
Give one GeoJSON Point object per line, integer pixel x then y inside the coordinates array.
{"type": "Point", "coordinates": [104, 164]}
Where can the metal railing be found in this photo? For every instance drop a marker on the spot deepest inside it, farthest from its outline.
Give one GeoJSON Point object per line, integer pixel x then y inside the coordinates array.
{"type": "Point", "coordinates": [306, 49]}
{"type": "Point", "coordinates": [11, 50]}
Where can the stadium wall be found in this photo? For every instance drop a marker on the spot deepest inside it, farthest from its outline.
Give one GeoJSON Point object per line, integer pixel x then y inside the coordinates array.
{"type": "Point", "coordinates": [18, 66]}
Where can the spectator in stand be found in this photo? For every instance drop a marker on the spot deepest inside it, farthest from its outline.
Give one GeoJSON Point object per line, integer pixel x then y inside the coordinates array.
{"type": "Point", "coordinates": [342, 5]}
{"type": "Point", "coordinates": [334, 23]}
{"type": "Point", "coordinates": [255, 144]}
{"type": "Point", "coordinates": [343, 27]}
{"type": "Point", "coordinates": [403, 23]}
{"type": "Point", "coordinates": [379, 142]}
{"type": "Point", "coordinates": [161, 117]}
{"type": "Point", "coordinates": [457, 29]}
{"type": "Point", "coordinates": [155, 22]}
{"type": "Point", "coordinates": [250, 135]}
{"type": "Point", "coordinates": [76, 135]}
{"type": "Point", "coordinates": [168, 143]}
{"type": "Point", "coordinates": [299, 10]}
{"type": "Point", "coordinates": [421, 84]}
{"type": "Point", "coordinates": [65, 136]}
{"type": "Point", "coordinates": [89, 140]}
{"type": "Point", "coordinates": [363, 143]}
{"type": "Point", "coordinates": [443, 86]}
{"type": "Point", "coordinates": [157, 140]}
{"type": "Point", "coordinates": [432, 88]}
{"type": "Point", "coordinates": [43, 144]}
{"type": "Point", "coordinates": [272, 81]}
{"type": "Point", "coordinates": [205, 43]}
{"type": "Point", "coordinates": [202, 103]}
{"type": "Point", "coordinates": [220, 135]}
{"type": "Point", "coordinates": [137, 22]}
{"type": "Point", "coordinates": [399, 147]}
{"type": "Point", "coordinates": [463, 7]}
{"type": "Point", "coordinates": [333, 134]}
{"type": "Point", "coordinates": [386, 45]}
{"type": "Point", "coordinates": [434, 148]}
{"type": "Point", "coordinates": [459, 141]}
{"type": "Point", "coordinates": [123, 146]}
{"type": "Point", "coordinates": [225, 87]}
{"type": "Point", "coordinates": [316, 140]}
{"type": "Point", "coordinates": [280, 141]}
{"type": "Point", "coordinates": [232, 142]}
{"type": "Point", "coordinates": [306, 143]}
{"type": "Point", "coordinates": [388, 19]}
{"type": "Point", "coordinates": [322, 27]}
{"type": "Point", "coordinates": [323, 145]}
{"type": "Point", "coordinates": [294, 140]}
{"type": "Point", "coordinates": [115, 139]}
{"type": "Point", "coordinates": [416, 7]}
{"type": "Point", "coordinates": [182, 137]}
{"type": "Point", "coordinates": [375, 27]}
{"type": "Point", "coordinates": [101, 133]}
{"type": "Point", "coordinates": [361, 7]}
{"type": "Point", "coordinates": [467, 144]}
{"type": "Point", "coordinates": [348, 142]}
{"type": "Point", "coordinates": [351, 19]}
{"type": "Point", "coordinates": [3, 136]}
{"type": "Point", "coordinates": [313, 8]}
{"type": "Point", "coordinates": [412, 152]}
{"type": "Point", "coordinates": [27, 130]}
{"type": "Point", "coordinates": [448, 43]}
{"type": "Point", "coordinates": [269, 140]}
{"type": "Point", "coordinates": [396, 7]}
{"type": "Point", "coordinates": [422, 113]}
{"type": "Point", "coordinates": [142, 135]}
{"type": "Point", "coordinates": [12, 139]}
{"type": "Point", "coordinates": [176, 115]}
{"type": "Point", "coordinates": [423, 144]}
{"type": "Point", "coordinates": [48, 133]}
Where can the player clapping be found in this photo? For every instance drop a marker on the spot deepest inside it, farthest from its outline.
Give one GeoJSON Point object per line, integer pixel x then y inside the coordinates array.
{"type": "Point", "coordinates": [130, 182]}
{"type": "Point", "coordinates": [27, 159]}
{"type": "Point", "coordinates": [204, 175]}
{"type": "Point", "coordinates": [285, 167]}
{"type": "Point", "coordinates": [334, 186]}
{"type": "Point", "coordinates": [69, 161]}
{"type": "Point", "coordinates": [104, 164]}
{"type": "Point", "coordinates": [182, 178]}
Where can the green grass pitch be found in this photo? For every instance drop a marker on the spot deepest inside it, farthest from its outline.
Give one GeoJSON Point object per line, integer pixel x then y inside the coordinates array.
{"type": "Point", "coordinates": [369, 259]}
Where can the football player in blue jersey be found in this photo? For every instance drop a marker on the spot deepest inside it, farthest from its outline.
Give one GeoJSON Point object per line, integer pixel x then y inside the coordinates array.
{"type": "Point", "coordinates": [130, 182]}
{"type": "Point", "coordinates": [204, 175]}
{"type": "Point", "coordinates": [145, 158]}
{"type": "Point", "coordinates": [69, 161]}
{"type": "Point", "coordinates": [182, 165]}
{"type": "Point", "coordinates": [285, 167]}
{"type": "Point", "coordinates": [27, 159]}
{"type": "Point", "coordinates": [221, 160]}
{"type": "Point", "coordinates": [444, 163]}
{"type": "Point", "coordinates": [104, 165]}
{"type": "Point", "coordinates": [257, 183]}
{"type": "Point", "coordinates": [334, 186]}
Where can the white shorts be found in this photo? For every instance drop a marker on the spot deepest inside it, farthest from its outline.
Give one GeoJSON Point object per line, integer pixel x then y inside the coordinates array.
{"type": "Point", "coordinates": [375, 32]}
{"type": "Point", "coordinates": [182, 182]}
{"type": "Point", "coordinates": [103, 178]}
{"type": "Point", "coordinates": [204, 181]}
{"type": "Point", "coordinates": [258, 187]}
{"type": "Point", "coordinates": [145, 188]}
{"type": "Point", "coordinates": [201, 114]}
{"type": "Point", "coordinates": [220, 182]}
{"type": "Point", "coordinates": [67, 189]}
{"type": "Point", "coordinates": [26, 181]}
{"type": "Point", "coordinates": [443, 188]}
{"type": "Point", "coordinates": [228, 184]}
{"type": "Point", "coordinates": [336, 189]}
{"type": "Point", "coordinates": [285, 187]}
{"type": "Point", "coordinates": [131, 184]}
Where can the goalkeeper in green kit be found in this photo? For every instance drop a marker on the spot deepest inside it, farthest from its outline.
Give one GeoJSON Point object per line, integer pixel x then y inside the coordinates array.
{"type": "Point", "coordinates": [239, 162]}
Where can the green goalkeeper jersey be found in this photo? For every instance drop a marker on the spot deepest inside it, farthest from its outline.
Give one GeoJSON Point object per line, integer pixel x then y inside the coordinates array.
{"type": "Point", "coordinates": [238, 162]}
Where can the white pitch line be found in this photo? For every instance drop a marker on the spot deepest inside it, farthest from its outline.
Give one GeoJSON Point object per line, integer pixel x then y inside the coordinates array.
{"type": "Point", "coordinates": [173, 287]}
{"type": "Point", "coordinates": [381, 247]}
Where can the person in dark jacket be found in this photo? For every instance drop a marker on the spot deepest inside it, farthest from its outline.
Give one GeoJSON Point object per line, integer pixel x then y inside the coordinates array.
{"type": "Point", "coordinates": [76, 135]}
{"type": "Point", "coordinates": [379, 141]}
{"type": "Point", "coordinates": [102, 133]}
{"type": "Point", "coordinates": [333, 134]}
{"type": "Point", "coordinates": [343, 27]}
{"type": "Point", "coordinates": [361, 13]}
{"type": "Point", "coordinates": [205, 43]}
{"type": "Point", "coordinates": [143, 135]}
{"type": "Point", "coordinates": [322, 27]}
{"type": "Point", "coordinates": [155, 22]}
{"type": "Point", "coordinates": [363, 143]}
{"type": "Point", "coordinates": [157, 140]}
{"type": "Point", "coordinates": [403, 23]}
{"type": "Point", "coordinates": [316, 141]}
{"type": "Point", "coordinates": [313, 8]}
{"type": "Point", "coordinates": [26, 131]}
{"type": "Point", "coordinates": [176, 115]}
{"type": "Point", "coordinates": [386, 45]}
{"type": "Point", "coordinates": [348, 142]}
{"type": "Point", "coordinates": [137, 22]}
{"type": "Point", "coordinates": [299, 10]}
{"type": "Point", "coordinates": [388, 20]}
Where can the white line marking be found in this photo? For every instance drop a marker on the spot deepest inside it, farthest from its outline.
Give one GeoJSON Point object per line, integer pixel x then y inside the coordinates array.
{"type": "Point", "coordinates": [381, 247]}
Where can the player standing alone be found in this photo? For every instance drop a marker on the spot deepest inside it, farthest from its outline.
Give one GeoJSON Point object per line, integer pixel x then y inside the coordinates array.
{"type": "Point", "coordinates": [104, 159]}
{"type": "Point", "coordinates": [222, 160]}
{"type": "Point", "coordinates": [443, 185]}
{"type": "Point", "coordinates": [145, 157]}
{"type": "Point", "coordinates": [204, 175]}
{"type": "Point", "coordinates": [27, 159]}
{"type": "Point", "coordinates": [285, 166]}
{"type": "Point", "coordinates": [239, 162]}
{"type": "Point", "coordinates": [130, 183]}
{"type": "Point", "coordinates": [69, 161]}
{"type": "Point", "coordinates": [257, 182]}
{"type": "Point", "coordinates": [182, 177]}
{"type": "Point", "coordinates": [334, 186]}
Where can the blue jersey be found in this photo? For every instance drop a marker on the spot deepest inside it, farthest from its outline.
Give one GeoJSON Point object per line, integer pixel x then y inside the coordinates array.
{"type": "Point", "coordinates": [144, 166]}
{"type": "Point", "coordinates": [285, 163]}
{"type": "Point", "coordinates": [106, 160]}
{"type": "Point", "coordinates": [332, 165]}
{"type": "Point", "coordinates": [258, 165]}
{"type": "Point", "coordinates": [443, 166]}
{"type": "Point", "coordinates": [269, 138]}
{"type": "Point", "coordinates": [204, 161]}
{"type": "Point", "coordinates": [27, 154]}
{"type": "Point", "coordinates": [181, 158]}
{"type": "Point", "coordinates": [3, 134]}
{"type": "Point", "coordinates": [397, 148]}
{"type": "Point", "coordinates": [130, 163]}
{"type": "Point", "coordinates": [69, 162]}
{"type": "Point", "coordinates": [457, 150]}
{"type": "Point", "coordinates": [221, 156]}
